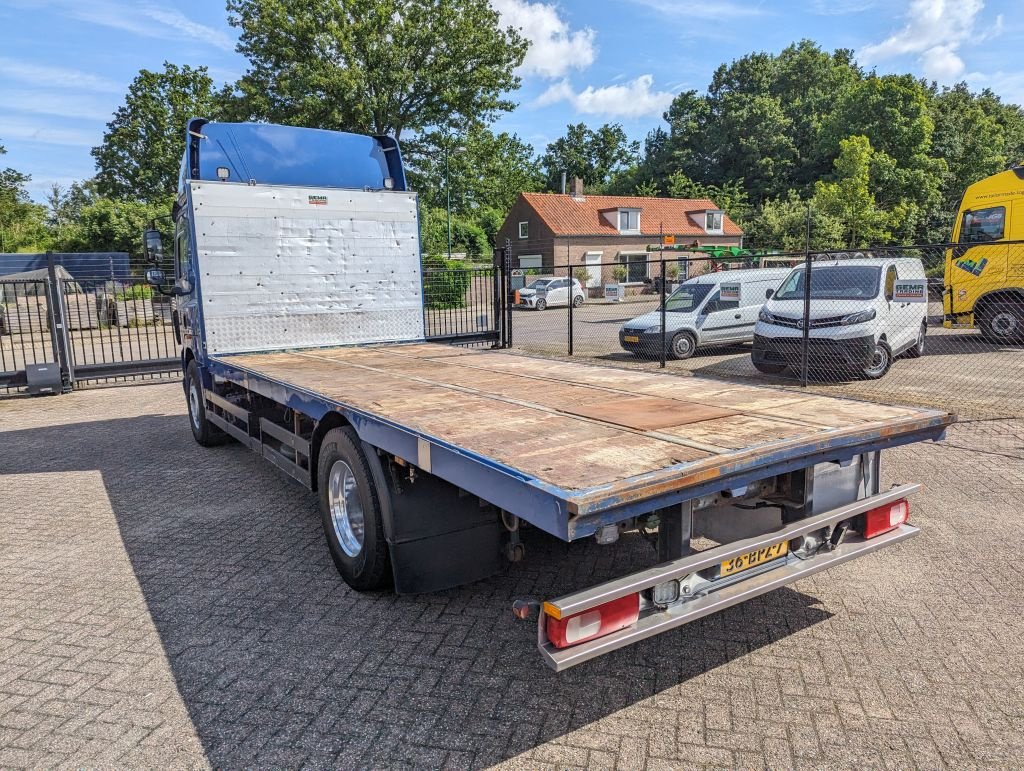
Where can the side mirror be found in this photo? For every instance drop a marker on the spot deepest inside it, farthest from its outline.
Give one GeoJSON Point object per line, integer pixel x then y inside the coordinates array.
{"type": "Point", "coordinates": [768, 293]}
{"type": "Point", "coordinates": [155, 276]}
{"type": "Point", "coordinates": [153, 243]}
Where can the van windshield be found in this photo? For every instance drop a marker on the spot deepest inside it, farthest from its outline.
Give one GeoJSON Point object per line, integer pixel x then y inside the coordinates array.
{"type": "Point", "coordinates": [687, 298]}
{"type": "Point", "coordinates": [833, 282]}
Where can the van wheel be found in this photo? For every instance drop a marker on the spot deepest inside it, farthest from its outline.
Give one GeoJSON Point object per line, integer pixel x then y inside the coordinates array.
{"type": "Point", "coordinates": [1003, 324]}
{"type": "Point", "coordinates": [350, 512]}
{"type": "Point", "coordinates": [204, 432]}
{"type": "Point", "coordinates": [541, 304]}
{"type": "Point", "coordinates": [917, 349]}
{"type": "Point", "coordinates": [682, 346]}
{"type": "Point", "coordinates": [881, 360]}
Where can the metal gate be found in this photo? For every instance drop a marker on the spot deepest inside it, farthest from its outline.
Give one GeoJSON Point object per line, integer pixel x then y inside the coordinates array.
{"type": "Point", "coordinates": [85, 314]}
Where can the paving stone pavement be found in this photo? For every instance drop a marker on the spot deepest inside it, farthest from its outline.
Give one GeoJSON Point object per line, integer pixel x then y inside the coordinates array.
{"type": "Point", "coordinates": [165, 605]}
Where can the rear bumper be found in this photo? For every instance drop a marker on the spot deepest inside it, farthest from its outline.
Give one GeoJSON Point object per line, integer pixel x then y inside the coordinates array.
{"type": "Point", "coordinates": [719, 593]}
{"type": "Point", "coordinates": [853, 353]}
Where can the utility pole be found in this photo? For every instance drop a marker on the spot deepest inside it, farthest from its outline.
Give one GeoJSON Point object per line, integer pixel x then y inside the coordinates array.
{"type": "Point", "coordinates": [448, 194]}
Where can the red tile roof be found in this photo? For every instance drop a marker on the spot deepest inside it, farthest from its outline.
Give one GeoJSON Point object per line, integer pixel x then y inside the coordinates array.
{"type": "Point", "coordinates": [568, 216]}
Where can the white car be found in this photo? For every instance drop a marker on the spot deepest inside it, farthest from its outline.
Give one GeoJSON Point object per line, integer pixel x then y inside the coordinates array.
{"type": "Point", "coordinates": [858, 321]}
{"type": "Point", "coordinates": [714, 309]}
{"type": "Point", "coordinates": [549, 291]}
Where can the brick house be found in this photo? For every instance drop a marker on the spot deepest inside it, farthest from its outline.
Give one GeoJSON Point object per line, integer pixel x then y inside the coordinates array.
{"type": "Point", "coordinates": [546, 229]}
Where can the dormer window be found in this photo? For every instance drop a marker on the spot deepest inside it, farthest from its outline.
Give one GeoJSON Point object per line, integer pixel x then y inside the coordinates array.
{"type": "Point", "coordinates": [629, 220]}
{"type": "Point", "coordinates": [714, 221]}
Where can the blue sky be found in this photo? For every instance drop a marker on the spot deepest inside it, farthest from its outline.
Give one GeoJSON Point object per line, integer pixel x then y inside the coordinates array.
{"type": "Point", "coordinates": [67, 63]}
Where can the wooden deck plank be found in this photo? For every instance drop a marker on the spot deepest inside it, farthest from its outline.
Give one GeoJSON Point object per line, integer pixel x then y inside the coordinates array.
{"type": "Point", "coordinates": [560, 422]}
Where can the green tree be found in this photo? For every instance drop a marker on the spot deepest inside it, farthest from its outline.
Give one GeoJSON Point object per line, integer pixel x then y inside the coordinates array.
{"type": "Point", "coordinates": [849, 198]}
{"type": "Point", "coordinates": [781, 223]}
{"type": "Point", "coordinates": [729, 196]}
{"type": "Point", "coordinates": [595, 156]}
{"type": "Point", "coordinates": [143, 143]}
{"type": "Point", "coordinates": [375, 66]}
{"type": "Point", "coordinates": [106, 224]}
{"type": "Point", "coordinates": [22, 223]}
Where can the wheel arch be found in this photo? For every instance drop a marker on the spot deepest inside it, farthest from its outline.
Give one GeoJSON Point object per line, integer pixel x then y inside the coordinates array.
{"type": "Point", "coordinates": [327, 423]}
{"type": "Point", "coordinates": [1005, 294]}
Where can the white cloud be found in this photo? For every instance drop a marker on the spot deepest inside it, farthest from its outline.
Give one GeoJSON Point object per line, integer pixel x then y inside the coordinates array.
{"type": "Point", "coordinates": [934, 32]}
{"type": "Point", "coordinates": [708, 10]}
{"type": "Point", "coordinates": [146, 19]}
{"type": "Point", "coordinates": [554, 48]}
{"type": "Point", "coordinates": [633, 99]}
{"type": "Point", "coordinates": [42, 75]}
{"type": "Point", "coordinates": [38, 101]}
{"type": "Point", "coordinates": [30, 131]}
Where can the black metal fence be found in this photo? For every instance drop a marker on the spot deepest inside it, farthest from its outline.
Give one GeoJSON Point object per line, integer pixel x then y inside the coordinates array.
{"type": "Point", "coordinates": [935, 326]}
{"type": "Point", "coordinates": [90, 318]}
{"type": "Point", "coordinates": [461, 304]}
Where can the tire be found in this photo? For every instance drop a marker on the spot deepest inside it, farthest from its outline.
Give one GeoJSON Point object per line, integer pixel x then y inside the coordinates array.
{"type": "Point", "coordinates": [881, 360]}
{"type": "Point", "coordinates": [350, 512]}
{"type": "Point", "coordinates": [577, 301]}
{"type": "Point", "coordinates": [541, 304]}
{"type": "Point", "coordinates": [916, 351]}
{"type": "Point", "coordinates": [1003, 324]}
{"type": "Point", "coordinates": [682, 346]}
{"type": "Point", "coordinates": [203, 431]}
{"type": "Point", "coordinates": [767, 368]}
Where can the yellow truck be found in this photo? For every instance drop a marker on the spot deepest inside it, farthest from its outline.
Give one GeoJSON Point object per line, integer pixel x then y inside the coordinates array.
{"type": "Point", "coordinates": [984, 272]}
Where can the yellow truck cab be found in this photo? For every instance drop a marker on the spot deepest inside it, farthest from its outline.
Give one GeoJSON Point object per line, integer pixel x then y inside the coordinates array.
{"type": "Point", "coordinates": [984, 273]}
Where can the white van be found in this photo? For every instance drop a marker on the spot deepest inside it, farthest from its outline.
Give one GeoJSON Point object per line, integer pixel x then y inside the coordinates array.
{"type": "Point", "coordinates": [858, 323]}
{"type": "Point", "coordinates": [713, 309]}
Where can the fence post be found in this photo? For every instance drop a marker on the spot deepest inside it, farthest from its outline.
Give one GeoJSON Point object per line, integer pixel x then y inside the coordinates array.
{"type": "Point", "coordinates": [508, 292]}
{"type": "Point", "coordinates": [497, 311]}
{"type": "Point", "coordinates": [58, 324]}
{"type": "Point", "coordinates": [572, 289]}
{"type": "Point", "coordinates": [663, 334]}
{"type": "Point", "coordinates": [806, 322]}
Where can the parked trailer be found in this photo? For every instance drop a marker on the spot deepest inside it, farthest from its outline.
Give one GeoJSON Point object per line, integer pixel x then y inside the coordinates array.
{"type": "Point", "coordinates": [299, 303]}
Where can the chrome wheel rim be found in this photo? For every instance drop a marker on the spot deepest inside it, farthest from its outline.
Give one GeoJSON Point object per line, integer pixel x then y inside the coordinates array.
{"type": "Point", "coordinates": [1004, 324]}
{"type": "Point", "coordinates": [346, 510]}
{"type": "Point", "coordinates": [920, 341]}
{"type": "Point", "coordinates": [193, 404]}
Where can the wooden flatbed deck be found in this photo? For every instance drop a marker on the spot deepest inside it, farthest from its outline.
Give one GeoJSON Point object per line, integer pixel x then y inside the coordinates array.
{"type": "Point", "coordinates": [603, 436]}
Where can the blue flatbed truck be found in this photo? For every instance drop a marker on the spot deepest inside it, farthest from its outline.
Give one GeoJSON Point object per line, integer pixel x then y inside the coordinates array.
{"type": "Point", "coordinates": [299, 303]}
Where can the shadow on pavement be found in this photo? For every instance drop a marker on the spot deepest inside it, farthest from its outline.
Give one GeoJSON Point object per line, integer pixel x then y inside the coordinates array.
{"type": "Point", "coordinates": [279, 663]}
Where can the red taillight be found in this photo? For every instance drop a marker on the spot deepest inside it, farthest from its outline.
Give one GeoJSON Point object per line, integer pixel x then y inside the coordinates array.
{"type": "Point", "coordinates": [886, 518]}
{"type": "Point", "coordinates": [596, 622]}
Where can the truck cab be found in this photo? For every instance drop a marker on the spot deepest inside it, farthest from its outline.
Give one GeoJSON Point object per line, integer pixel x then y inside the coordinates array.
{"type": "Point", "coordinates": [984, 269]}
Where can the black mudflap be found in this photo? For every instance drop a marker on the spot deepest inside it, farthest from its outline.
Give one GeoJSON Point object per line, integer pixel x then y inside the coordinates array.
{"type": "Point", "coordinates": [439, 538]}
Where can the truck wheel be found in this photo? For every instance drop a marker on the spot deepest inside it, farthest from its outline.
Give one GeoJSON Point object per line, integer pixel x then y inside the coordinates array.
{"type": "Point", "coordinates": [916, 351]}
{"type": "Point", "coordinates": [1003, 324]}
{"type": "Point", "coordinates": [350, 512]}
{"type": "Point", "coordinates": [541, 304]}
{"type": "Point", "coordinates": [204, 432]}
{"type": "Point", "coordinates": [682, 346]}
{"type": "Point", "coordinates": [881, 360]}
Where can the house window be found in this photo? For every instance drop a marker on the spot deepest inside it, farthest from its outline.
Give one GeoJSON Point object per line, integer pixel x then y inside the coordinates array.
{"type": "Point", "coordinates": [524, 229]}
{"type": "Point", "coordinates": [530, 260]}
{"type": "Point", "coordinates": [629, 220]}
{"type": "Point", "coordinates": [636, 267]}
{"type": "Point", "coordinates": [713, 221]}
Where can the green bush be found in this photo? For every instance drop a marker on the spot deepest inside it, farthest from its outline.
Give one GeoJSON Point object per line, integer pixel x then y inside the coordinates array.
{"type": "Point", "coordinates": [445, 282]}
{"type": "Point", "coordinates": [135, 292]}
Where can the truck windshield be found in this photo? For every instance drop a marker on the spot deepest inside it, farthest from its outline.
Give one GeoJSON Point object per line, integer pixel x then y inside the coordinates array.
{"type": "Point", "coordinates": [833, 282]}
{"type": "Point", "coordinates": [687, 298]}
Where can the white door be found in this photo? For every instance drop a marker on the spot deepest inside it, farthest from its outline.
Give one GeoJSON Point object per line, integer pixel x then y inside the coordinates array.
{"type": "Point", "coordinates": [904, 318]}
{"type": "Point", "coordinates": [722, 320]}
{"type": "Point", "coordinates": [593, 262]}
{"type": "Point", "coordinates": [558, 292]}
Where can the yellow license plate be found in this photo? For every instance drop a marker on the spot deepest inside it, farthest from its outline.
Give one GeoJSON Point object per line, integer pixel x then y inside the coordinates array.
{"type": "Point", "coordinates": [631, 339]}
{"type": "Point", "coordinates": [754, 558]}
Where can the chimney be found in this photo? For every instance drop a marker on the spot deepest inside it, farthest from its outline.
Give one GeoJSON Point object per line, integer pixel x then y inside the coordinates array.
{"type": "Point", "coordinates": [577, 188]}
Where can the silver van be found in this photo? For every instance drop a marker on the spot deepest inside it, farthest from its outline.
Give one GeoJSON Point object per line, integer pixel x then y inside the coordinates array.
{"type": "Point", "coordinates": [713, 309]}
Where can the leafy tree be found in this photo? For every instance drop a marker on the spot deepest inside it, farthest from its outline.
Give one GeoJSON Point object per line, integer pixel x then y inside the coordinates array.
{"type": "Point", "coordinates": [849, 198]}
{"type": "Point", "coordinates": [782, 222]}
{"type": "Point", "coordinates": [468, 237]}
{"type": "Point", "coordinates": [729, 196]}
{"type": "Point", "coordinates": [106, 224]}
{"type": "Point", "coordinates": [376, 66]}
{"type": "Point", "coordinates": [22, 223]}
{"type": "Point", "coordinates": [143, 144]}
{"type": "Point", "coordinates": [595, 156]}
